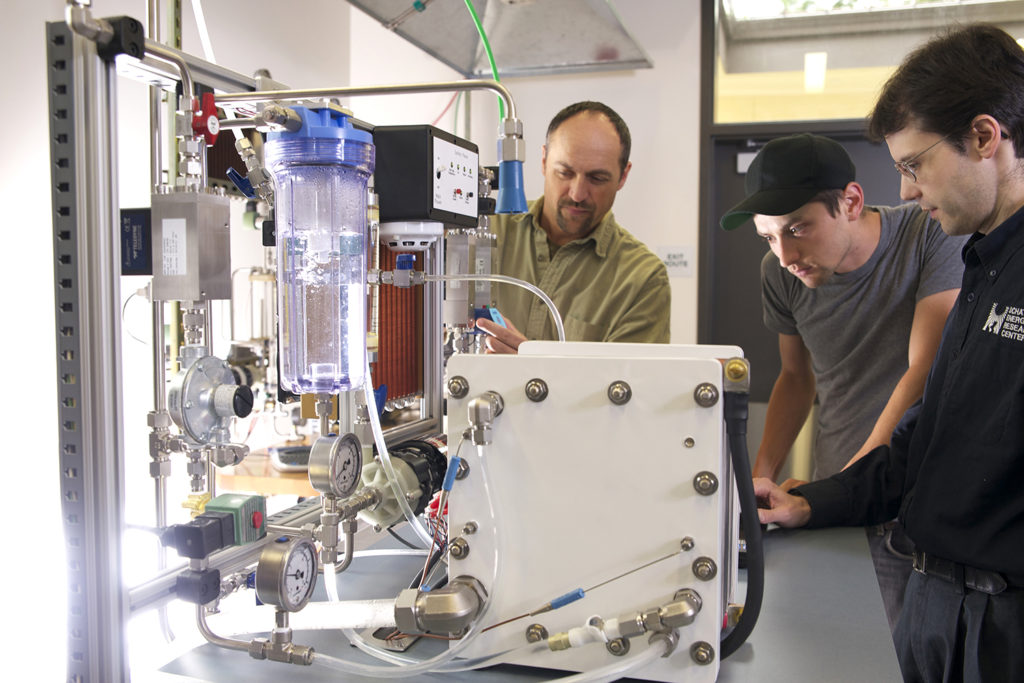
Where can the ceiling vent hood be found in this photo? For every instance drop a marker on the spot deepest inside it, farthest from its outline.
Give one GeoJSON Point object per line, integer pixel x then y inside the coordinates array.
{"type": "Point", "coordinates": [527, 37]}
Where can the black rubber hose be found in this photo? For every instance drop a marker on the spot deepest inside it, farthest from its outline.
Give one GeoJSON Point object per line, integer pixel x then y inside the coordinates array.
{"type": "Point", "coordinates": [736, 429]}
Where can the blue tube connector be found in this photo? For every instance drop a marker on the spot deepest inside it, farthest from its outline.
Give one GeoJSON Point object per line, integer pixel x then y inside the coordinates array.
{"type": "Point", "coordinates": [560, 601]}
{"type": "Point", "coordinates": [511, 196]}
{"type": "Point", "coordinates": [449, 476]}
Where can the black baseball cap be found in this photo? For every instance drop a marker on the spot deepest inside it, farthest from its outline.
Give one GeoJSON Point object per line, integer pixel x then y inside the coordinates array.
{"type": "Point", "coordinates": [787, 173]}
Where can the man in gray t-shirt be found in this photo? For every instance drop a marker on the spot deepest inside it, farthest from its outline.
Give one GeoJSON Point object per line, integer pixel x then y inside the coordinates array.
{"type": "Point", "coordinates": [859, 296]}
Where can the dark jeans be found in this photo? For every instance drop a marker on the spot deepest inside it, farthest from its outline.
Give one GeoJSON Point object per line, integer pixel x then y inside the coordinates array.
{"type": "Point", "coordinates": [891, 553]}
{"type": "Point", "coordinates": [949, 634]}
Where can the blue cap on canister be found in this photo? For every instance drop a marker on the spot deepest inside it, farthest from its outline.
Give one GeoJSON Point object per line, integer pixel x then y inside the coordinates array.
{"type": "Point", "coordinates": [322, 123]}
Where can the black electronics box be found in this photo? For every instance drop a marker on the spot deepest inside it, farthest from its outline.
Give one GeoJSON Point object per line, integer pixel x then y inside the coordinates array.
{"type": "Point", "coordinates": [423, 173]}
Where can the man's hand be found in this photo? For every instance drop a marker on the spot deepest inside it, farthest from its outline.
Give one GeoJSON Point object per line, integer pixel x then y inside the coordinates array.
{"type": "Point", "coordinates": [775, 505]}
{"type": "Point", "coordinates": [791, 483]}
{"type": "Point", "coordinates": [500, 339]}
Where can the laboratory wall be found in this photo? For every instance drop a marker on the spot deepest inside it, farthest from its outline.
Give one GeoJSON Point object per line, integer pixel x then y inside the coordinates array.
{"type": "Point", "coordinates": [660, 105]}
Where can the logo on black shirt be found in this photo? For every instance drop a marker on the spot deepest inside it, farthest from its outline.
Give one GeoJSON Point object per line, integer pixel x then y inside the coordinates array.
{"type": "Point", "coordinates": [1009, 324]}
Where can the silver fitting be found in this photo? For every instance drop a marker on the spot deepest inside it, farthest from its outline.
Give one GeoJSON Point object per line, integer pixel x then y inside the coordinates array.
{"type": "Point", "coordinates": [632, 625]}
{"type": "Point", "coordinates": [446, 610]}
{"type": "Point", "coordinates": [683, 609]}
{"type": "Point", "coordinates": [228, 454]}
{"type": "Point", "coordinates": [279, 117]}
{"type": "Point", "coordinates": [482, 410]}
{"type": "Point", "coordinates": [82, 22]}
{"type": "Point", "coordinates": [511, 146]}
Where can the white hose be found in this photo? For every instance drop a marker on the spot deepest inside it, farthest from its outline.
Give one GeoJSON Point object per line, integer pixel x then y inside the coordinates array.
{"type": "Point", "coordinates": [392, 552]}
{"type": "Point", "coordinates": [331, 581]}
{"type": "Point", "coordinates": [348, 614]}
{"type": "Point", "coordinates": [555, 315]}
{"type": "Point", "coordinates": [385, 461]}
{"type": "Point", "coordinates": [476, 628]}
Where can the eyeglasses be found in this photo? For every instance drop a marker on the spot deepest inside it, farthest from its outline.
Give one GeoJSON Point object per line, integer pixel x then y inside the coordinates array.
{"type": "Point", "coordinates": [906, 167]}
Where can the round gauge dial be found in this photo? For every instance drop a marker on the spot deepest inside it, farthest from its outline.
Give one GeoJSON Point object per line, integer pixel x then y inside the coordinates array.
{"type": "Point", "coordinates": [286, 573]}
{"type": "Point", "coordinates": [335, 464]}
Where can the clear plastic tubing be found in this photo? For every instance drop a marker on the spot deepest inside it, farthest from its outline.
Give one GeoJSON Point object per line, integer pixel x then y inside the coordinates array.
{"type": "Point", "coordinates": [436, 662]}
{"type": "Point", "coordinates": [389, 468]}
{"type": "Point", "coordinates": [555, 315]}
{"type": "Point", "coordinates": [619, 669]}
{"type": "Point", "coordinates": [321, 173]}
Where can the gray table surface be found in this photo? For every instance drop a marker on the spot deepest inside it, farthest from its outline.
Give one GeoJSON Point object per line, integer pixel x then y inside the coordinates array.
{"type": "Point", "coordinates": [822, 620]}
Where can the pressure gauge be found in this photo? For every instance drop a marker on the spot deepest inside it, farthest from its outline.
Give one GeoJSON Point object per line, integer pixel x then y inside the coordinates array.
{"type": "Point", "coordinates": [286, 573]}
{"type": "Point", "coordinates": [335, 463]}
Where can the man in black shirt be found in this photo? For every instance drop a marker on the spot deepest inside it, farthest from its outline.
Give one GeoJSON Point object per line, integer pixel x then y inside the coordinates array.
{"type": "Point", "coordinates": [953, 119]}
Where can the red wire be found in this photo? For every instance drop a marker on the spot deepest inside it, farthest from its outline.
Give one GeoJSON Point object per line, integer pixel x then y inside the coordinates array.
{"type": "Point", "coordinates": [449, 106]}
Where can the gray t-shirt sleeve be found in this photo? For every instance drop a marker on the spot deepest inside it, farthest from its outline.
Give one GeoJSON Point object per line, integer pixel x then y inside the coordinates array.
{"type": "Point", "coordinates": [942, 264]}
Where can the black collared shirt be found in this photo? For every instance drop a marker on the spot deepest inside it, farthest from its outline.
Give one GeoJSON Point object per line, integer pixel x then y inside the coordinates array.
{"type": "Point", "coordinates": [954, 472]}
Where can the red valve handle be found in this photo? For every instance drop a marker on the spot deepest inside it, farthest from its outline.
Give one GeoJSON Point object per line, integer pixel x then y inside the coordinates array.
{"type": "Point", "coordinates": [204, 121]}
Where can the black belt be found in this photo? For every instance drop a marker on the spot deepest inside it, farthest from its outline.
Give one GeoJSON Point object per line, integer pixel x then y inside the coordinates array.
{"type": "Point", "coordinates": [982, 580]}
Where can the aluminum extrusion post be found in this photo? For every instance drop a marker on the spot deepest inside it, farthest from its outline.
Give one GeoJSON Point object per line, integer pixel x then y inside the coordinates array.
{"type": "Point", "coordinates": [83, 112]}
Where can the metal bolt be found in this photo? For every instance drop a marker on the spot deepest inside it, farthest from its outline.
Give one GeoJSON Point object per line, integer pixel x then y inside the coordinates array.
{"type": "Point", "coordinates": [686, 543]}
{"type": "Point", "coordinates": [736, 370]}
{"type": "Point", "coordinates": [536, 633]}
{"type": "Point", "coordinates": [702, 653]}
{"type": "Point", "coordinates": [619, 393]}
{"type": "Point", "coordinates": [470, 528]}
{"type": "Point", "coordinates": [463, 470]}
{"type": "Point", "coordinates": [704, 568]}
{"type": "Point", "coordinates": [536, 390]}
{"type": "Point", "coordinates": [706, 483]}
{"type": "Point", "coordinates": [458, 386]}
{"type": "Point", "coordinates": [459, 549]}
{"type": "Point", "coordinates": [689, 442]}
{"type": "Point", "coordinates": [618, 646]}
{"type": "Point", "coordinates": [706, 394]}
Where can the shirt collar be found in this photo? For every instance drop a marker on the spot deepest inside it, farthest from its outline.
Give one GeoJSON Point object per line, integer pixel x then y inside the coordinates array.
{"type": "Point", "coordinates": [601, 236]}
{"type": "Point", "coordinates": [997, 247]}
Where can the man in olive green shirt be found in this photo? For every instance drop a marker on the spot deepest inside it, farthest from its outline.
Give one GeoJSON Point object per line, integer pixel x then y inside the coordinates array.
{"type": "Point", "coordinates": [605, 283]}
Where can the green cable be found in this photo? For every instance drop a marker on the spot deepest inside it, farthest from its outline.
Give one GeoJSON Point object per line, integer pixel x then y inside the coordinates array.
{"type": "Point", "coordinates": [490, 55]}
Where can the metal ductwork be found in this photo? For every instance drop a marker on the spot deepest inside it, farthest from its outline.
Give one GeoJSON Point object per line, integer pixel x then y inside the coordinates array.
{"type": "Point", "coordinates": [527, 37]}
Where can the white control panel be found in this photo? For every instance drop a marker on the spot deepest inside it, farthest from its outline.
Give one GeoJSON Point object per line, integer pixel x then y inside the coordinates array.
{"type": "Point", "coordinates": [455, 178]}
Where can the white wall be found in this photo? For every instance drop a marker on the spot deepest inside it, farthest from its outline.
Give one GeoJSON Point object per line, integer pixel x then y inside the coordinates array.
{"type": "Point", "coordinates": [659, 203]}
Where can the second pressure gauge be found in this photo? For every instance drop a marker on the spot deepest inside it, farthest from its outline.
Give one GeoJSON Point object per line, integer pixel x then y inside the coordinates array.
{"type": "Point", "coordinates": [286, 573]}
{"type": "Point", "coordinates": [335, 463]}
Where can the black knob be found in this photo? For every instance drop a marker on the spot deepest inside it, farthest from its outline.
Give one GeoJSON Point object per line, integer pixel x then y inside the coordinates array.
{"type": "Point", "coordinates": [242, 402]}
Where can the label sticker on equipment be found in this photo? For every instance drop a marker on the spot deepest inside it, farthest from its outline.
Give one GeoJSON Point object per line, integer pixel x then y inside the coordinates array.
{"type": "Point", "coordinates": [174, 246]}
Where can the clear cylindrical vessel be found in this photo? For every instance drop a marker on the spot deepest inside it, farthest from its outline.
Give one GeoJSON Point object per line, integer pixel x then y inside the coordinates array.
{"type": "Point", "coordinates": [321, 173]}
